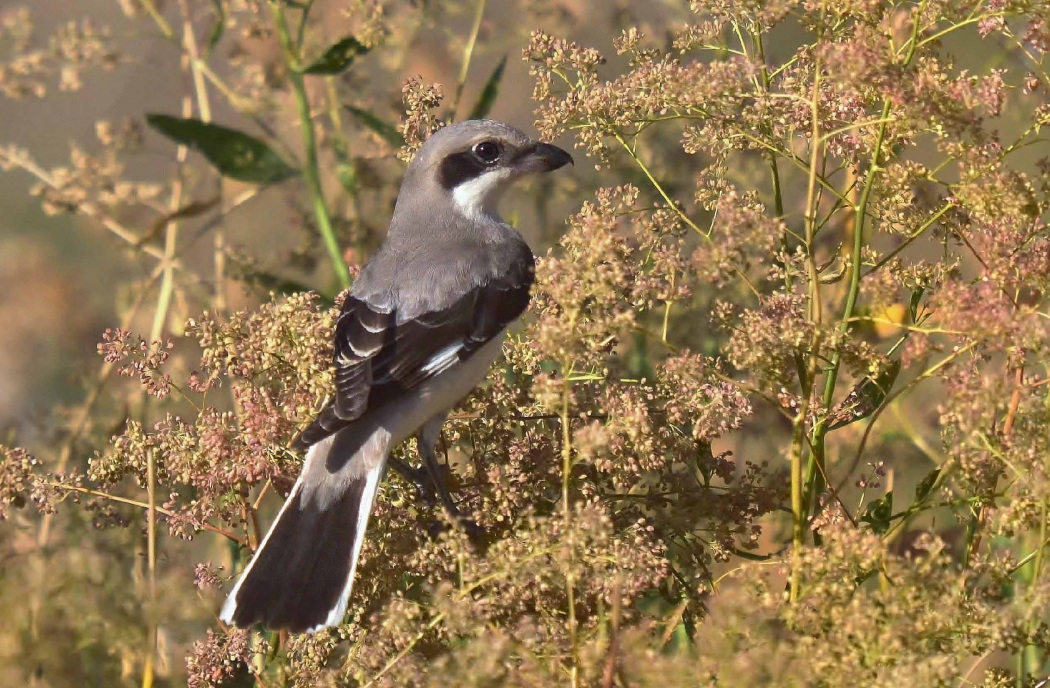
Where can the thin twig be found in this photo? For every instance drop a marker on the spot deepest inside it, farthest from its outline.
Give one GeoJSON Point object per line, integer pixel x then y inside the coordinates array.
{"type": "Point", "coordinates": [142, 505]}
{"type": "Point", "coordinates": [462, 594]}
{"type": "Point", "coordinates": [89, 210]}
{"type": "Point", "coordinates": [675, 207]}
{"type": "Point", "coordinates": [570, 583]}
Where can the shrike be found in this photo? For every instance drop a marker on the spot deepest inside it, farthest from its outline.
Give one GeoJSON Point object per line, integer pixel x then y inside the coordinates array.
{"type": "Point", "coordinates": [419, 328]}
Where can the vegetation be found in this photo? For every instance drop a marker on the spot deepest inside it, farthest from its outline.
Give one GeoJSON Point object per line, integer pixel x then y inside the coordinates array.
{"type": "Point", "coordinates": [778, 414]}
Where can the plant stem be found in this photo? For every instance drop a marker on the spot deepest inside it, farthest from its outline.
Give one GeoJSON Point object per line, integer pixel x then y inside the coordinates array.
{"type": "Point", "coordinates": [570, 583]}
{"type": "Point", "coordinates": [675, 206]}
{"type": "Point", "coordinates": [911, 237]}
{"type": "Point", "coordinates": [151, 564]}
{"type": "Point", "coordinates": [311, 170]}
{"type": "Point", "coordinates": [799, 512]}
{"type": "Point", "coordinates": [158, 19]}
{"type": "Point", "coordinates": [142, 505]}
{"type": "Point", "coordinates": [160, 316]}
{"type": "Point", "coordinates": [774, 169]}
{"type": "Point", "coordinates": [300, 34]}
{"type": "Point", "coordinates": [468, 54]}
{"type": "Point", "coordinates": [815, 470]}
{"type": "Point", "coordinates": [798, 520]}
{"type": "Point", "coordinates": [1028, 658]}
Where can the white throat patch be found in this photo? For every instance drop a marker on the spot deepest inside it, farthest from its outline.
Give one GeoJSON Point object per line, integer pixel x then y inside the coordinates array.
{"type": "Point", "coordinates": [478, 197]}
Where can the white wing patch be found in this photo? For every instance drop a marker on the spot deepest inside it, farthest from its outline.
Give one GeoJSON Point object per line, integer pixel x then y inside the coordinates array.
{"type": "Point", "coordinates": [441, 361]}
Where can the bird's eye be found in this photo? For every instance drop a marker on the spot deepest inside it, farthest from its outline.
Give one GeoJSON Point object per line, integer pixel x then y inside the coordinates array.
{"type": "Point", "coordinates": [487, 152]}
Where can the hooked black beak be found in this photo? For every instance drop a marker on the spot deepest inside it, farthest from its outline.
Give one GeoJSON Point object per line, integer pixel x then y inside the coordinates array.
{"type": "Point", "coordinates": [543, 157]}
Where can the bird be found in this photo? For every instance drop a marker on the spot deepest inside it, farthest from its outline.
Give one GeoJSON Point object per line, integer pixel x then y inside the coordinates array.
{"type": "Point", "coordinates": [418, 330]}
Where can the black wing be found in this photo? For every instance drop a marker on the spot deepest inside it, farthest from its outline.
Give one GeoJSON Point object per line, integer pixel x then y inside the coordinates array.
{"type": "Point", "coordinates": [377, 358]}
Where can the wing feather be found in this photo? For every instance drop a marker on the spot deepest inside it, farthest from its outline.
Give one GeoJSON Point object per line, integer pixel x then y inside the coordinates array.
{"type": "Point", "coordinates": [380, 354]}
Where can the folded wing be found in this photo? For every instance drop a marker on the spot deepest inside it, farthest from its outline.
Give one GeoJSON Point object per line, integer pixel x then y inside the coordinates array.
{"type": "Point", "coordinates": [381, 352]}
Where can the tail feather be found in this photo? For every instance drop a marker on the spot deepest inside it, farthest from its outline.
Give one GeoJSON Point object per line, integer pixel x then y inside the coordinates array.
{"type": "Point", "coordinates": [301, 576]}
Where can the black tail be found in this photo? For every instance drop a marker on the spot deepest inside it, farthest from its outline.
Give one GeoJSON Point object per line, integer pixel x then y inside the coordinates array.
{"type": "Point", "coordinates": [301, 575]}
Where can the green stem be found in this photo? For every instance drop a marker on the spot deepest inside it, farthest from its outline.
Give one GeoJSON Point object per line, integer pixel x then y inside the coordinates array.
{"type": "Point", "coordinates": [808, 375]}
{"type": "Point", "coordinates": [311, 169]}
{"type": "Point", "coordinates": [566, 482]}
{"type": "Point", "coordinates": [911, 237]}
{"type": "Point", "coordinates": [468, 54]}
{"type": "Point", "coordinates": [774, 169]}
{"type": "Point", "coordinates": [1029, 660]}
{"type": "Point", "coordinates": [675, 206]}
{"type": "Point", "coordinates": [815, 470]}
{"type": "Point", "coordinates": [301, 33]}
{"type": "Point", "coordinates": [160, 319]}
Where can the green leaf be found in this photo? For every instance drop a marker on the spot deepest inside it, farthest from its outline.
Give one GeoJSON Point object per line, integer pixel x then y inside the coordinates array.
{"type": "Point", "coordinates": [347, 176]}
{"type": "Point", "coordinates": [923, 489]}
{"type": "Point", "coordinates": [488, 94]}
{"type": "Point", "coordinates": [679, 642]}
{"type": "Point", "coordinates": [233, 153]}
{"type": "Point", "coordinates": [916, 301]}
{"type": "Point", "coordinates": [219, 27]}
{"type": "Point", "coordinates": [864, 576]}
{"type": "Point", "coordinates": [878, 513]}
{"type": "Point", "coordinates": [833, 270]}
{"type": "Point", "coordinates": [386, 131]}
{"type": "Point", "coordinates": [865, 398]}
{"type": "Point", "coordinates": [192, 209]}
{"type": "Point", "coordinates": [337, 58]}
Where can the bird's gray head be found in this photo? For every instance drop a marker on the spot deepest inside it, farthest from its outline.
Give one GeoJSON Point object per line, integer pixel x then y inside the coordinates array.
{"type": "Point", "coordinates": [471, 163]}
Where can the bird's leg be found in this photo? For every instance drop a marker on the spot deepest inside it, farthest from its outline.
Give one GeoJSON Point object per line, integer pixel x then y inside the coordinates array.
{"type": "Point", "coordinates": [426, 440]}
{"type": "Point", "coordinates": [420, 477]}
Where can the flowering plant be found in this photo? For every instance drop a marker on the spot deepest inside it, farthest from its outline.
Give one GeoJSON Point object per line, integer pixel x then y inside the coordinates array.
{"type": "Point", "coordinates": [779, 413]}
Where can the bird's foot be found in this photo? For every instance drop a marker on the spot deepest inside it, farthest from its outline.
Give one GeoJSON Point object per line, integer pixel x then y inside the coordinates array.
{"type": "Point", "coordinates": [475, 533]}
{"type": "Point", "coordinates": [420, 477]}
